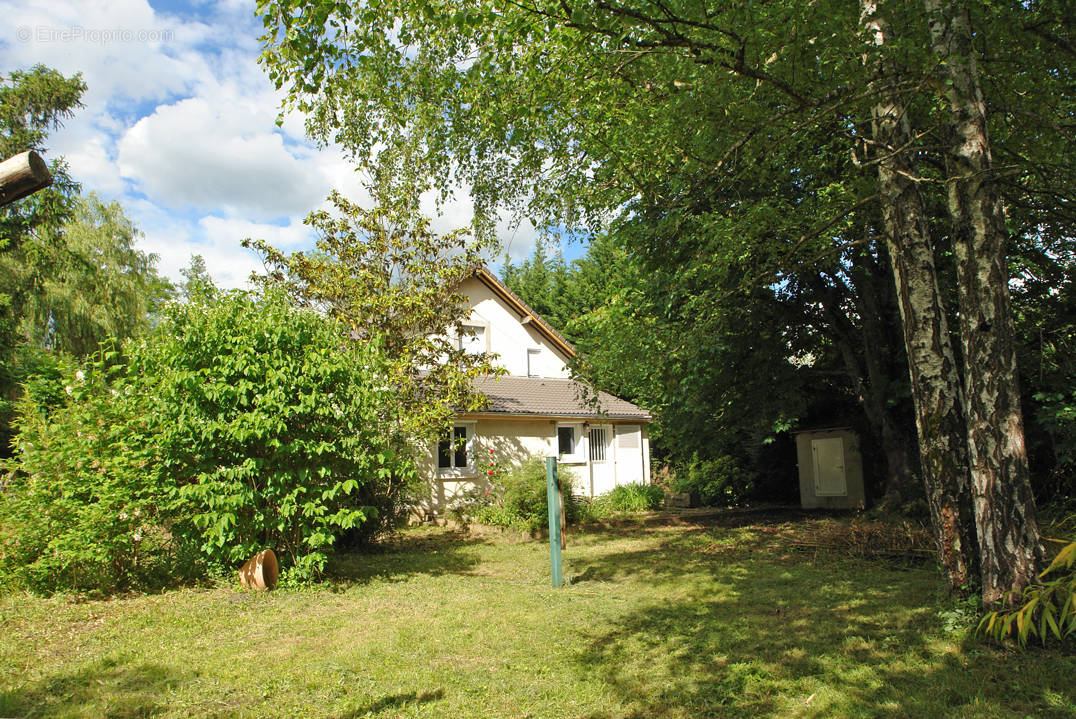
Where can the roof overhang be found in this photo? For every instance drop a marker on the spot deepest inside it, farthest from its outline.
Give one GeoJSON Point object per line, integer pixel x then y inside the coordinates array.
{"type": "Point", "coordinates": [526, 314]}
{"type": "Point", "coordinates": [558, 417]}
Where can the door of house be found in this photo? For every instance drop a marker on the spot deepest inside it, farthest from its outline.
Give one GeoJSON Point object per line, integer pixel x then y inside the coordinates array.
{"type": "Point", "coordinates": [601, 459]}
{"type": "Point", "coordinates": [829, 476]}
{"type": "Point", "coordinates": [629, 454]}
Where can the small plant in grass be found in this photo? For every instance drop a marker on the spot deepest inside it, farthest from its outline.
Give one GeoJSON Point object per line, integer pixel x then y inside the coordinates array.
{"type": "Point", "coordinates": [627, 498]}
{"type": "Point", "coordinates": [519, 499]}
{"type": "Point", "coordinates": [1046, 610]}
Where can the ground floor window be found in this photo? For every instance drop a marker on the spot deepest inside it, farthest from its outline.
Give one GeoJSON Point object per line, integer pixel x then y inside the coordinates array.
{"type": "Point", "coordinates": [597, 444]}
{"type": "Point", "coordinates": [570, 443]}
{"type": "Point", "coordinates": [454, 449]}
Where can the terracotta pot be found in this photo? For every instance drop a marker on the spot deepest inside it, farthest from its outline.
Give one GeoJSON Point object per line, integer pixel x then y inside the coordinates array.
{"type": "Point", "coordinates": [260, 571]}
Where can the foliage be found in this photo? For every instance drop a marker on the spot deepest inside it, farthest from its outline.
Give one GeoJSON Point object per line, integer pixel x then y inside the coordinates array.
{"type": "Point", "coordinates": [519, 500]}
{"type": "Point", "coordinates": [1046, 610]}
{"type": "Point", "coordinates": [271, 431]}
{"type": "Point", "coordinates": [1044, 303]}
{"type": "Point", "coordinates": [239, 423]}
{"type": "Point", "coordinates": [32, 103]}
{"type": "Point", "coordinates": [718, 481]}
{"type": "Point", "coordinates": [544, 283]}
{"type": "Point", "coordinates": [626, 498]}
{"type": "Point", "coordinates": [197, 282]}
{"type": "Point", "coordinates": [383, 273]}
{"type": "Point", "coordinates": [83, 506]}
{"type": "Point", "coordinates": [88, 282]}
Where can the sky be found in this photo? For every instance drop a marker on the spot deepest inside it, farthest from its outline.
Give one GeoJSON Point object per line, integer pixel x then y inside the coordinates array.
{"type": "Point", "coordinates": [179, 126]}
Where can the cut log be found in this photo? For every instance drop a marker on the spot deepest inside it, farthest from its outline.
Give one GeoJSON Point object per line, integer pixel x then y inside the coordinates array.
{"type": "Point", "coordinates": [22, 175]}
{"type": "Point", "coordinates": [260, 571]}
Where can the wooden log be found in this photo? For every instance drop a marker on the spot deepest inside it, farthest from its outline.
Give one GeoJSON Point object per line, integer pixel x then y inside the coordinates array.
{"type": "Point", "coordinates": [22, 175]}
{"type": "Point", "coordinates": [260, 571]}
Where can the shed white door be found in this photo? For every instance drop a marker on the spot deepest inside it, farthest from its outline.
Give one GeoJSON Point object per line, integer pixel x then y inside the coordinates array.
{"type": "Point", "coordinates": [829, 476]}
{"type": "Point", "coordinates": [629, 454]}
{"type": "Point", "coordinates": [602, 459]}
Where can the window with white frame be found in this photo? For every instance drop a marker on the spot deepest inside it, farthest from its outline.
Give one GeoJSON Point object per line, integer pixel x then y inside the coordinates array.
{"type": "Point", "coordinates": [454, 450]}
{"type": "Point", "coordinates": [570, 442]}
{"type": "Point", "coordinates": [533, 353]}
{"type": "Point", "coordinates": [597, 441]}
{"type": "Point", "coordinates": [472, 339]}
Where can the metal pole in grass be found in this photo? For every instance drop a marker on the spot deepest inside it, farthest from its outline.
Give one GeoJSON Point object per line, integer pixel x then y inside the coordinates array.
{"type": "Point", "coordinates": [552, 488]}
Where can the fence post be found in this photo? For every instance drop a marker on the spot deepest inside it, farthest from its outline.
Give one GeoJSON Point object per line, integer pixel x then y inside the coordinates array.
{"type": "Point", "coordinates": [553, 501]}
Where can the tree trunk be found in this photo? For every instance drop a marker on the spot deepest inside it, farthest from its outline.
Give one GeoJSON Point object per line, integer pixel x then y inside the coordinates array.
{"type": "Point", "coordinates": [935, 381]}
{"type": "Point", "coordinates": [1009, 542]}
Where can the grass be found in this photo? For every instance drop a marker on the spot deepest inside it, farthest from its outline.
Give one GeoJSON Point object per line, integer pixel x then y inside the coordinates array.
{"type": "Point", "coordinates": [718, 618]}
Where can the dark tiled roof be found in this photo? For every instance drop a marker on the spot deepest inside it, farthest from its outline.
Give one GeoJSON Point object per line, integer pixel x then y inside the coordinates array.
{"type": "Point", "coordinates": [556, 397]}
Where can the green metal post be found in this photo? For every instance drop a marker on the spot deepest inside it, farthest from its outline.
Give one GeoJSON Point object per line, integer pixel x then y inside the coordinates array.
{"type": "Point", "coordinates": [553, 500]}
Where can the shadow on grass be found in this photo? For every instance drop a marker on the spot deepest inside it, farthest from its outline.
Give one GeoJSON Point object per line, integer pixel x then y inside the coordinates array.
{"type": "Point", "coordinates": [764, 636]}
{"type": "Point", "coordinates": [121, 690]}
{"type": "Point", "coordinates": [411, 553]}
{"type": "Point", "coordinates": [394, 701]}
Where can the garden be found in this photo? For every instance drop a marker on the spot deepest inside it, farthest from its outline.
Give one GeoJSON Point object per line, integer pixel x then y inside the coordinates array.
{"type": "Point", "coordinates": [728, 615]}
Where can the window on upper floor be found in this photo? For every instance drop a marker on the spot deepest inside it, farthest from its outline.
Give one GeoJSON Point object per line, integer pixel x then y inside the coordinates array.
{"type": "Point", "coordinates": [473, 339]}
{"type": "Point", "coordinates": [533, 354]}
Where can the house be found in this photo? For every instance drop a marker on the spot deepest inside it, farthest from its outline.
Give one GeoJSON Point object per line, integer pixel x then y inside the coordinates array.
{"type": "Point", "coordinates": [536, 409]}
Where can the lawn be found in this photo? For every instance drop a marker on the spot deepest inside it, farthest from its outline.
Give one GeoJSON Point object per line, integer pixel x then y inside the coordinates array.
{"type": "Point", "coordinates": [717, 618]}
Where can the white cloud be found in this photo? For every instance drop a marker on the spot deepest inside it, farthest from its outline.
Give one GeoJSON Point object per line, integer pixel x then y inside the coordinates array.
{"type": "Point", "coordinates": [175, 240]}
{"type": "Point", "coordinates": [197, 154]}
{"type": "Point", "coordinates": [179, 125]}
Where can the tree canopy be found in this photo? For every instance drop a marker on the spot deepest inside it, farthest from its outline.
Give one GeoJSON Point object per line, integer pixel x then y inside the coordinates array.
{"type": "Point", "coordinates": [779, 137]}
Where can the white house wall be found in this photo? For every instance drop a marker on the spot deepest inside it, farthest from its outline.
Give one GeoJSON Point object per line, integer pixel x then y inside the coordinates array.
{"type": "Point", "coordinates": [509, 339]}
{"type": "Point", "coordinates": [514, 441]}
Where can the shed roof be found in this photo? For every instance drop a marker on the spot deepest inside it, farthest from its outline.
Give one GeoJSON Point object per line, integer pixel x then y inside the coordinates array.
{"type": "Point", "coordinates": [545, 396]}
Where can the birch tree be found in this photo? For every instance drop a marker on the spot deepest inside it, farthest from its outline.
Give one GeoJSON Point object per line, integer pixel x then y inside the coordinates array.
{"type": "Point", "coordinates": [571, 113]}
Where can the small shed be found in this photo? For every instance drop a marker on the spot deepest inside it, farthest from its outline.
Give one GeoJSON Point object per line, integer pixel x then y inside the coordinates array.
{"type": "Point", "coordinates": [830, 469]}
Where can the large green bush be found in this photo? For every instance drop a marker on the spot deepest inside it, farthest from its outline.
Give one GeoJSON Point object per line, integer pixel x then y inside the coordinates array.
{"type": "Point", "coordinates": [239, 423]}
{"type": "Point", "coordinates": [82, 507]}
{"type": "Point", "coordinates": [718, 481]}
{"type": "Point", "coordinates": [518, 498]}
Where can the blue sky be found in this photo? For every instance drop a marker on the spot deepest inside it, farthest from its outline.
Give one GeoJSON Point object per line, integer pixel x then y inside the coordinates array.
{"type": "Point", "coordinates": [179, 127]}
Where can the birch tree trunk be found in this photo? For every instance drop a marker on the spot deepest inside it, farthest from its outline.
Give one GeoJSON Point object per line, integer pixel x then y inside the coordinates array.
{"type": "Point", "coordinates": [1009, 542]}
{"type": "Point", "coordinates": [935, 379]}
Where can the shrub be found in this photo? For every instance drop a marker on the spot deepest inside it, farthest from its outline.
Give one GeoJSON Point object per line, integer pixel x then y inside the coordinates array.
{"type": "Point", "coordinates": [241, 422]}
{"type": "Point", "coordinates": [518, 498]}
{"type": "Point", "coordinates": [1045, 610]}
{"type": "Point", "coordinates": [82, 507]}
{"type": "Point", "coordinates": [627, 498]}
{"type": "Point", "coordinates": [718, 481]}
